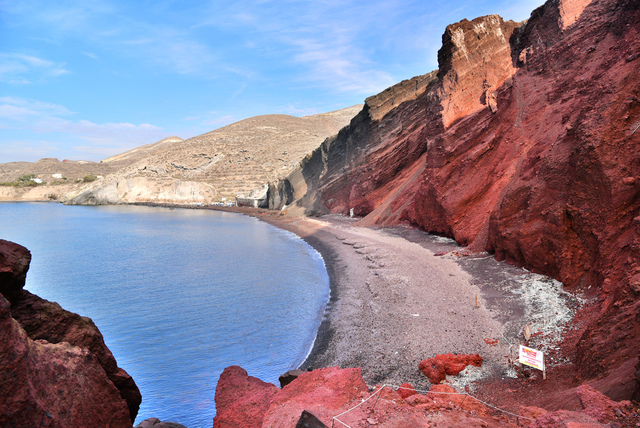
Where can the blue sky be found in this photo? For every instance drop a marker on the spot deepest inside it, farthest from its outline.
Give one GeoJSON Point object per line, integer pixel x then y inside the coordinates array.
{"type": "Point", "coordinates": [87, 79]}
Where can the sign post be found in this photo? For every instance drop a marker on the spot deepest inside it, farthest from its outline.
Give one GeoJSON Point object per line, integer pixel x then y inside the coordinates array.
{"type": "Point", "coordinates": [533, 358]}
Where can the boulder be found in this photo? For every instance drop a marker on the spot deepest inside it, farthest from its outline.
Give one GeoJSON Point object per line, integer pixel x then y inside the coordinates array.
{"type": "Point", "coordinates": [14, 264]}
{"type": "Point", "coordinates": [241, 400]}
{"type": "Point", "coordinates": [433, 369]}
{"type": "Point", "coordinates": [45, 323]}
{"type": "Point", "coordinates": [157, 423]}
{"type": "Point", "coordinates": [45, 384]}
{"type": "Point", "coordinates": [45, 320]}
{"type": "Point", "coordinates": [436, 368]}
{"type": "Point", "coordinates": [324, 392]}
{"type": "Point", "coordinates": [406, 390]}
{"type": "Point", "coordinates": [289, 377]}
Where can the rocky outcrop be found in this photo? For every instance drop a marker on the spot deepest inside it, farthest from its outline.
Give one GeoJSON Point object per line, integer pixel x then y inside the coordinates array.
{"type": "Point", "coordinates": [339, 397]}
{"type": "Point", "coordinates": [437, 368]}
{"type": "Point", "coordinates": [241, 400]}
{"type": "Point", "coordinates": [524, 145]}
{"type": "Point", "coordinates": [55, 369]}
{"type": "Point", "coordinates": [115, 190]}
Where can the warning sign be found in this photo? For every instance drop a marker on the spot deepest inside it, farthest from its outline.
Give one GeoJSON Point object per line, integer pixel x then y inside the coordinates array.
{"type": "Point", "coordinates": [532, 357]}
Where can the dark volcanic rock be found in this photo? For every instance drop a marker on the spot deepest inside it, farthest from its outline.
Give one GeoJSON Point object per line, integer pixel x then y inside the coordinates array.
{"type": "Point", "coordinates": [54, 366]}
{"type": "Point", "coordinates": [309, 420]}
{"type": "Point", "coordinates": [289, 377]}
{"type": "Point", "coordinates": [14, 264]}
{"type": "Point", "coordinates": [522, 144]}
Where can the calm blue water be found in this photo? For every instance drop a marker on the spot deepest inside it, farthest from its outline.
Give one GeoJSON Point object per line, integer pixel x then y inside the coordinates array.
{"type": "Point", "coordinates": [178, 294]}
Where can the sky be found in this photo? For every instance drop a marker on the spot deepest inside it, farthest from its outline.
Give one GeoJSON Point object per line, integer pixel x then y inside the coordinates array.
{"type": "Point", "coordinates": [88, 79]}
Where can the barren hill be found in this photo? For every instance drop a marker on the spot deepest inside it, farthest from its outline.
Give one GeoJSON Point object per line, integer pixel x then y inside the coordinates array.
{"type": "Point", "coordinates": [243, 156]}
{"type": "Point", "coordinates": [212, 167]}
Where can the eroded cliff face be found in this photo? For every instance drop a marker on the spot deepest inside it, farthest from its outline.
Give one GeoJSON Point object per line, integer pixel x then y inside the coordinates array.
{"type": "Point", "coordinates": [524, 145]}
{"type": "Point", "coordinates": [55, 369]}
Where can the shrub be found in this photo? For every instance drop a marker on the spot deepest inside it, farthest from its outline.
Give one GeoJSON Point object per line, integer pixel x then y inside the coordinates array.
{"type": "Point", "coordinates": [89, 178]}
{"type": "Point", "coordinates": [26, 177]}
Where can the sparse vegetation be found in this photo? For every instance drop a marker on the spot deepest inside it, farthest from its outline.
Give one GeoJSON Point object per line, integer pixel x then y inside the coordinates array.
{"type": "Point", "coordinates": [89, 178]}
{"type": "Point", "coordinates": [23, 181]}
{"type": "Point", "coordinates": [52, 197]}
{"type": "Point", "coordinates": [26, 178]}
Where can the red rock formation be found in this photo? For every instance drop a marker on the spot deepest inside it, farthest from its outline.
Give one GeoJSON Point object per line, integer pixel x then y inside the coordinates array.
{"type": "Point", "coordinates": [241, 400]}
{"type": "Point", "coordinates": [46, 384]}
{"type": "Point", "coordinates": [433, 369]}
{"type": "Point", "coordinates": [333, 392]}
{"type": "Point", "coordinates": [406, 390]}
{"type": "Point", "coordinates": [436, 368]}
{"type": "Point", "coordinates": [55, 369]}
{"type": "Point", "coordinates": [524, 145]}
{"type": "Point", "coordinates": [44, 320]}
{"type": "Point", "coordinates": [323, 392]}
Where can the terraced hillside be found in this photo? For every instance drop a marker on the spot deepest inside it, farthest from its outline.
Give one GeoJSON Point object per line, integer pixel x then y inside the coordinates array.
{"type": "Point", "coordinates": [240, 157]}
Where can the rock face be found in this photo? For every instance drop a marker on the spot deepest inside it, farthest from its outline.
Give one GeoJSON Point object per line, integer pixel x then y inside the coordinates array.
{"type": "Point", "coordinates": [523, 144]}
{"type": "Point", "coordinates": [55, 369]}
{"type": "Point", "coordinates": [339, 397]}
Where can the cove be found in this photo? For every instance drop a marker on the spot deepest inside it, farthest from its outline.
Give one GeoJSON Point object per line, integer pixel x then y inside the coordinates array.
{"type": "Point", "coordinates": [178, 294]}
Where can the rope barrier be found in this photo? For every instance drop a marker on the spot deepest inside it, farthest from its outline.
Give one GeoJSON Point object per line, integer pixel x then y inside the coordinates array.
{"type": "Point", "coordinates": [335, 418]}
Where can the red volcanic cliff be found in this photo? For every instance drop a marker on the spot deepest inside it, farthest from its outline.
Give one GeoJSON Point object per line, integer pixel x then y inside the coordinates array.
{"type": "Point", "coordinates": [55, 369]}
{"type": "Point", "coordinates": [523, 144]}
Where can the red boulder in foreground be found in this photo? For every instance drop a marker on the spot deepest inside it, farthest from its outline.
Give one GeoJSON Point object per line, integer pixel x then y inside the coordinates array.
{"type": "Point", "coordinates": [241, 400]}
{"type": "Point", "coordinates": [55, 369]}
{"type": "Point", "coordinates": [436, 368]}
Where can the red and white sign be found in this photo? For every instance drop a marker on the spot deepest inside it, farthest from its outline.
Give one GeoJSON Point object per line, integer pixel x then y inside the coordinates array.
{"type": "Point", "coordinates": [532, 357]}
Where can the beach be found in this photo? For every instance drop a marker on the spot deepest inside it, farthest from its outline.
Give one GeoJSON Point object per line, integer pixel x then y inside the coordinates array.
{"type": "Point", "coordinates": [399, 296]}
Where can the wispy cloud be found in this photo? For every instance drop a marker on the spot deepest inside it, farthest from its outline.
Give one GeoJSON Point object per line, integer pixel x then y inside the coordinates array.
{"type": "Point", "coordinates": [109, 25]}
{"type": "Point", "coordinates": [336, 45]}
{"type": "Point", "coordinates": [17, 68]}
{"type": "Point", "coordinates": [55, 120]}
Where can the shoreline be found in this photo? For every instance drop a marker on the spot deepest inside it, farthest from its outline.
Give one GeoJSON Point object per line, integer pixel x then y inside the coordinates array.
{"type": "Point", "coordinates": [375, 318]}
{"type": "Point", "coordinates": [346, 338]}
{"type": "Point", "coordinates": [399, 295]}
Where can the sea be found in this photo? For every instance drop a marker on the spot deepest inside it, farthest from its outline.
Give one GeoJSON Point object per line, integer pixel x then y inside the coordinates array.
{"type": "Point", "coordinates": [178, 294]}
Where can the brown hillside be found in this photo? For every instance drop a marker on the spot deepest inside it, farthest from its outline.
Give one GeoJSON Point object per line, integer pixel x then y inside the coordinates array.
{"type": "Point", "coordinates": [243, 156]}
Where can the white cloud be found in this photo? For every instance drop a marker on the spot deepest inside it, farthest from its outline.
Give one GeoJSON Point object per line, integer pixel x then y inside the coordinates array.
{"type": "Point", "coordinates": [54, 120]}
{"type": "Point", "coordinates": [18, 68]}
{"type": "Point", "coordinates": [21, 109]}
